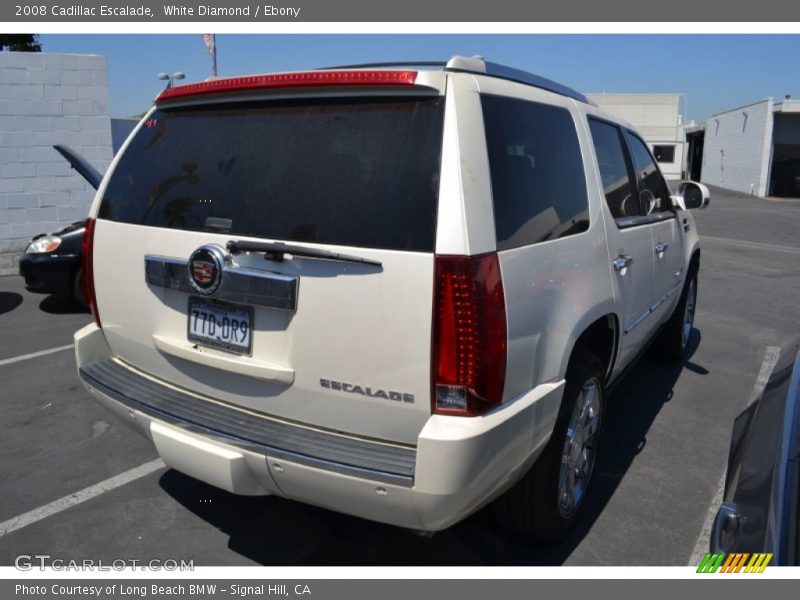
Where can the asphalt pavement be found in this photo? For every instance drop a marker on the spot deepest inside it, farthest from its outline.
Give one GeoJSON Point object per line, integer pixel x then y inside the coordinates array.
{"type": "Point", "coordinates": [666, 441]}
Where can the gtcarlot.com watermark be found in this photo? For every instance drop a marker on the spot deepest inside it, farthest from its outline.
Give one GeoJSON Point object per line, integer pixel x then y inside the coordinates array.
{"type": "Point", "coordinates": [28, 562]}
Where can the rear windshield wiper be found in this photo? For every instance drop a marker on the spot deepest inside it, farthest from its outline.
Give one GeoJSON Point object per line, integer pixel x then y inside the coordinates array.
{"type": "Point", "coordinates": [276, 250]}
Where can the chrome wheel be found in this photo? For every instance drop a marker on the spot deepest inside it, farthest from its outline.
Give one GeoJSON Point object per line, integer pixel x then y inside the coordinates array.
{"type": "Point", "coordinates": [580, 448]}
{"type": "Point", "coordinates": [688, 313]}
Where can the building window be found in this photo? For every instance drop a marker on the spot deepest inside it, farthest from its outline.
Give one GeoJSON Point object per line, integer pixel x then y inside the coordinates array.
{"type": "Point", "coordinates": [664, 154]}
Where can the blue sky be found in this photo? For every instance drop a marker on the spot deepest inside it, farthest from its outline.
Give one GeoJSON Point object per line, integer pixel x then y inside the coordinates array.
{"type": "Point", "coordinates": [715, 72]}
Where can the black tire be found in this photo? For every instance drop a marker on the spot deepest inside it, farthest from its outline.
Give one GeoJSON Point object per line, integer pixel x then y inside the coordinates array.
{"type": "Point", "coordinates": [533, 506]}
{"type": "Point", "coordinates": [77, 287]}
{"type": "Point", "coordinates": [673, 340]}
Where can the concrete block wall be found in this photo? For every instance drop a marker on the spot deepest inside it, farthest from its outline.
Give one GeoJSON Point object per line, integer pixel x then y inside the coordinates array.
{"type": "Point", "coordinates": [737, 146]}
{"type": "Point", "coordinates": [48, 99]}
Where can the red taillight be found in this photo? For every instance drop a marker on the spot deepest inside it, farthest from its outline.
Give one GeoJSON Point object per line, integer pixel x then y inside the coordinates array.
{"type": "Point", "coordinates": [288, 80]}
{"type": "Point", "coordinates": [87, 269]}
{"type": "Point", "coordinates": [469, 334]}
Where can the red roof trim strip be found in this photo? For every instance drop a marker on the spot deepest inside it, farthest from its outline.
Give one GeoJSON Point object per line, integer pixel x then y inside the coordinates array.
{"type": "Point", "coordinates": [291, 80]}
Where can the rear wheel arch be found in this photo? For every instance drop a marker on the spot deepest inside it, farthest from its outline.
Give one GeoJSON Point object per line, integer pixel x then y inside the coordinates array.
{"type": "Point", "coordinates": [549, 500]}
{"type": "Point", "coordinates": [530, 506]}
{"type": "Point", "coordinates": [600, 338]}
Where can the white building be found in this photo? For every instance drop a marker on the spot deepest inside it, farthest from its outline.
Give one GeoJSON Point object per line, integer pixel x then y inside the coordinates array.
{"type": "Point", "coordinates": [753, 149]}
{"type": "Point", "coordinates": [657, 118]}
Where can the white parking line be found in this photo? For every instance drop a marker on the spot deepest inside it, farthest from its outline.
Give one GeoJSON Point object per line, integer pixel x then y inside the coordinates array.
{"type": "Point", "coordinates": [15, 359]}
{"type": "Point", "coordinates": [771, 357]}
{"type": "Point", "coordinates": [55, 507]}
{"type": "Point", "coordinates": [753, 245]}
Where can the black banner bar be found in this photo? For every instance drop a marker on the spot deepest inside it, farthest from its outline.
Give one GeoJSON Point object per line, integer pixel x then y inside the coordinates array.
{"type": "Point", "coordinates": [472, 11]}
{"type": "Point", "coordinates": [730, 587]}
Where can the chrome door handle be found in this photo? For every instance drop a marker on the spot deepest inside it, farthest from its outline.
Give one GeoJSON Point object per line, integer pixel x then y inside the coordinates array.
{"type": "Point", "coordinates": [622, 261]}
{"type": "Point", "coordinates": [661, 247]}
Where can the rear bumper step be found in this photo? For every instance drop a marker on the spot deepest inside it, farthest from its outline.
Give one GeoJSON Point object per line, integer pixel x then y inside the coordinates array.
{"type": "Point", "coordinates": [277, 439]}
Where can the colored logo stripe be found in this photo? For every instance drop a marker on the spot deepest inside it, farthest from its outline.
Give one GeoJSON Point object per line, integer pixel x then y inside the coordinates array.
{"type": "Point", "coordinates": [711, 562]}
{"type": "Point", "coordinates": [758, 563]}
{"type": "Point", "coordinates": [735, 562]}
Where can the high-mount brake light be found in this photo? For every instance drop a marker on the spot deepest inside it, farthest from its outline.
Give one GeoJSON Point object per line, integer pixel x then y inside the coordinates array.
{"type": "Point", "coordinates": [291, 80]}
{"type": "Point", "coordinates": [87, 269]}
{"type": "Point", "coordinates": [469, 335]}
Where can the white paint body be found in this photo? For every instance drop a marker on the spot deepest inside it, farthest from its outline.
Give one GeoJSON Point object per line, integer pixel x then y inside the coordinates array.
{"type": "Point", "coordinates": [375, 329]}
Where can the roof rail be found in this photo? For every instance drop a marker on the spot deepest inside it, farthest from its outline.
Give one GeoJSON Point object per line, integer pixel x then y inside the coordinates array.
{"type": "Point", "coordinates": [477, 65]}
{"type": "Point", "coordinates": [409, 63]}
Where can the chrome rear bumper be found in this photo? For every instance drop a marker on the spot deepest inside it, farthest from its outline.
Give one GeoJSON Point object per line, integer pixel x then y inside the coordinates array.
{"type": "Point", "coordinates": [457, 465]}
{"type": "Point", "coordinates": [279, 439]}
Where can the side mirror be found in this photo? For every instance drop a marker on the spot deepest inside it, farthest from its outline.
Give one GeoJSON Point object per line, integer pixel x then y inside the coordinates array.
{"type": "Point", "coordinates": [690, 195]}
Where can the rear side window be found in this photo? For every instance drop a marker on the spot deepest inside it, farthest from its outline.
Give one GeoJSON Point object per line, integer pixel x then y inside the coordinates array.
{"type": "Point", "coordinates": [351, 172]}
{"type": "Point", "coordinates": [538, 181]}
{"type": "Point", "coordinates": [614, 174]}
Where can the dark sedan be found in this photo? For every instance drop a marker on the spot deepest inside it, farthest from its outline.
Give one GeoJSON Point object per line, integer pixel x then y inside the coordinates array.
{"type": "Point", "coordinates": [760, 512]}
{"type": "Point", "coordinates": [52, 262]}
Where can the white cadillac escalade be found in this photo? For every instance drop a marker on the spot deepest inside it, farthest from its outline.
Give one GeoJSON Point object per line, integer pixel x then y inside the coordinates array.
{"type": "Point", "coordinates": [398, 293]}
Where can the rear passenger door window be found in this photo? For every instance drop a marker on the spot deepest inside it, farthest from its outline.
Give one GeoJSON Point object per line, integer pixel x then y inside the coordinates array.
{"type": "Point", "coordinates": [654, 194]}
{"type": "Point", "coordinates": [537, 174]}
{"type": "Point", "coordinates": [614, 170]}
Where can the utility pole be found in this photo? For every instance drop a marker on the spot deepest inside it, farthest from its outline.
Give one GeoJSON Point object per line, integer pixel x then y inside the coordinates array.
{"type": "Point", "coordinates": [214, 54]}
{"type": "Point", "coordinates": [210, 40]}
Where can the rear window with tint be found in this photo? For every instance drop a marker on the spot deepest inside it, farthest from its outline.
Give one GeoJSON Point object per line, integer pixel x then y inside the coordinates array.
{"type": "Point", "coordinates": [341, 171]}
{"type": "Point", "coordinates": [538, 181]}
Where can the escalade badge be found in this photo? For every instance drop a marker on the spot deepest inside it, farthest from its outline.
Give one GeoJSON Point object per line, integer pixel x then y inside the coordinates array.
{"type": "Point", "coordinates": [205, 269]}
{"type": "Point", "coordinates": [350, 388]}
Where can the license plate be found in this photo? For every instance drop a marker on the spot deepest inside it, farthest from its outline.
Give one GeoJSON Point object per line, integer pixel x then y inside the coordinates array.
{"type": "Point", "coordinates": [220, 325]}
